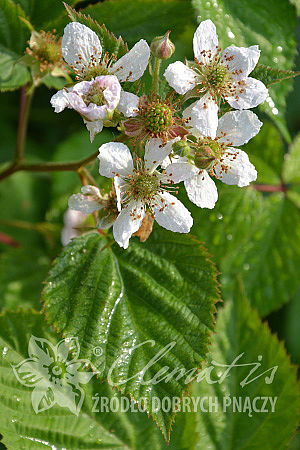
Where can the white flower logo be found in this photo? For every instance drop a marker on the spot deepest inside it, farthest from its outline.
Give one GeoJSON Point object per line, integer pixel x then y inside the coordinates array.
{"type": "Point", "coordinates": [54, 374]}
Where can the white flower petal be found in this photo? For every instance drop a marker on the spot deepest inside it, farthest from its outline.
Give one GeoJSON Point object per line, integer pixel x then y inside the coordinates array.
{"type": "Point", "coordinates": [118, 183]}
{"type": "Point", "coordinates": [60, 100]}
{"type": "Point", "coordinates": [235, 168]}
{"type": "Point", "coordinates": [134, 63]}
{"type": "Point", "coordinates": [80, 202]}
{"type": "Point", "coordinates": [79, 44]}
{"type": "Point", "coordinates": [129, 104]}
{"type": "Point", "coordinates": [94, 127]}
{"type": "Point", "coordinates": [115, 158]}
{"type": "Point", "coordinates": [254, 94]}
{"type": "Point", "coordinates": [238, 127]}
{"type": "Point", "coordinates": [156, 152]}
{"type": "Point", "coordinates": [201, 189]}
{"type": "Point", "coordinates": [242, 60]}
{"type": "Point", "coordinates": [128, 222]}
{"type": "Point", "coordinates": [171, 214]}
{"type": "Point", "coordinates": [180, 77]}
{"type": "Point", "coordinates": [177, 172]}
{"type": "Point", "coordinates": [204, 116]}
{"type": "Point", "coordinates": [205, 39]}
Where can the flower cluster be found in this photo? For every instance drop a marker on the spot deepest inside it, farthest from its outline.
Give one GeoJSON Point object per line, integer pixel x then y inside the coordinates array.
{"type": "Point", "coordinates": [160, 143]}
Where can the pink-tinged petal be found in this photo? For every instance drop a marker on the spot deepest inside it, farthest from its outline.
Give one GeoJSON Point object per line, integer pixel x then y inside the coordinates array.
{"type": "Point", "coordinates": [80, 46]}
{"type": "Point", "coordinates": [60, 100]}
{"type": "Point", "coordinates": [235, 168]}
{"type": "Point", "coordinates": [94, 127]}
{"type": "Point", "coordinates": [255, 93]}
{"type": "Point", "coordinates": [133, 64]}
{"type": "Point", "coordinates": [240, 61]}
{"type": "Point", "coordinates": [112, 90]}
{"type": "Point", "coordinates": [115, 158]}
{"type": "Point", "coordinates": [201, 189]}
{"type": "Point", "coordinates": [238, 127]}
{"type": "Point", "coordinates": [80, 202]}
{"type": "Point", "coordinates": [128, 222]}
{"type": "Point", "coordinates": [171, 214]}
{"type": "Point", "coordinates": [156, 151]}
{"type": "Point", "coordinates": [204, 116]}
{"type": "Point", "coordinates": [180, 77]}
{"type": "Point", "coordinates": [129, 104]}
{"type": "Point", "coordinates": [205, 41]}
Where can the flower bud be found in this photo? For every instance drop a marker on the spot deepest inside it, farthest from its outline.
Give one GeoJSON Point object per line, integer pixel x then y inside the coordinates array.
{"type": "Point", "coordinates": [161, 47]}
{"type": "Point", "coordinates": [204, 158]}
{"type": "Point", "coordinates": [181, 148]}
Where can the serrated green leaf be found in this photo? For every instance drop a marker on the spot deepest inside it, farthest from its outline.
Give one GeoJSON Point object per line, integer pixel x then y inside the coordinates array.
{"type": "Point", "coordinates": [240, 332]}
{"type": "Point", "coordinates": [21, 276]}
{"type": "Point", "coordinates": [109, 42]}
{"type": "Point", "coordinates": [255, 22]}
{"type": "Point", "coordinates": [58, 427]}
{"type": "Point", "coordinates": [12, 74]}
{"type": "Point", "coordinates": [269, 75]}
{"type": "Point", "coordinates": [163, 291]}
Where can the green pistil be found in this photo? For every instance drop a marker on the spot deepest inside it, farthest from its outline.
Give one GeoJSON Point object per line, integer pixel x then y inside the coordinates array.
{"type": "Point", "coordinates": [144, 186]}
{"type": "Point", "coordinates": [49, 51]}
{"type": "Point", "coordinates": [158, 118]}
{"type": "Point", "coordinates": [216, 74]}
{"type": "Point", "coordinates": [94, 95]}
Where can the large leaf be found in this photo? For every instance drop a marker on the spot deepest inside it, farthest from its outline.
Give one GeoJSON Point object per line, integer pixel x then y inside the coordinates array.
{"type": "Point", "coordinates": [149, 295]}
{"type": "Point", "coordinates": [255, 22]}
{"type": "Point", "coordinates": [241, 335]}
{"type": "Point", "coordinates": [58, 427]}
{"type": "Point", "coordinates": [142, 19]}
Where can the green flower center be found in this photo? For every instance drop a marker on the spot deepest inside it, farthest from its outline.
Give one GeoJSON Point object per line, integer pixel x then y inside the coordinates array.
{"type": "Point", "coordinates": [49, 51]}
{"type": "Point", "coordinates": [144, 185]}
{"type": "Point", "coordinates": [94, 95]}
{"type": "Point", "coordinates": [158, 118]}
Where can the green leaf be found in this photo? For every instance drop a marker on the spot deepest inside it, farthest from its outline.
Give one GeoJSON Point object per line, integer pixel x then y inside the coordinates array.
{"type": "Point", "coordinates": [152, 294]}
{"type": "Point", "coordinates": [58, 427]}
{"type": "Point", "coordinates": [269, 75]}
{"type": "Point", "coordinates": [12, 74]}
{"type": "Point", "coordinates": [109, 42]}
{"type": "Point", "coordinates": [257, 237]}
{"type": "Point", "coordinates": [240, 332]}
{"type": "Point", "coordinates": [143, 19]}
{"type": "Point", "coordinates": [273, 29]}
{"type": "Point", "coordinates": [43, 14]}
{"type": "Point", "coordinates": [21, 275]}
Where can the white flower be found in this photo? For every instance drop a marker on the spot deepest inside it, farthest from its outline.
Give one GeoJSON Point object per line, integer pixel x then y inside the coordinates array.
{"type": "Point", "coordinates": [95, 100]}
{"type": "Point", "coordinates": [219, 75]}
{"type": "Point", "coordinates": [90, 200]}
{"type": "Point", "coordinates": [212, 151]}
{"type": "Point", "coordinates": [141, 185]}
{"type": "Point", "coordinates": [82, 50]}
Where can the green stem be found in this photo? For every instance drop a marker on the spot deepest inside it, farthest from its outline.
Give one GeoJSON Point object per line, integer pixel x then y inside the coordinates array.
{"type": "Point", "coordinates": [25, 102]}
{"type": "Point", "coordinates": [155, 79]}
